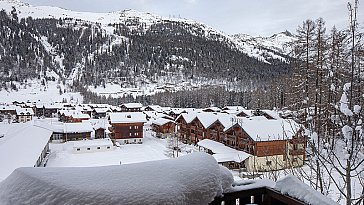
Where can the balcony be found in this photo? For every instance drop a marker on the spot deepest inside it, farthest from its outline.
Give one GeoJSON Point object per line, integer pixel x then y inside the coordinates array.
{"type": "Point", "coordinates": [297, 152]}
{"type": "Point", "coordinates": [262, 195]}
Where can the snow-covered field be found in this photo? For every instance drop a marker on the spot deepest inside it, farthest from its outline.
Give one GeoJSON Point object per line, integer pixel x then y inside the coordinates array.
{"type": "Point", "coordinates": [152, 149]}
{"type": "Point", "coordinates": [34, 91]}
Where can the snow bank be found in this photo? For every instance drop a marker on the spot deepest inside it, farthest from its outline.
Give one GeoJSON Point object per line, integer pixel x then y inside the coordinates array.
{"type": "Point", "coordinates": [293, 187]}
{"type": "Point", "coordinates": [191, 179]}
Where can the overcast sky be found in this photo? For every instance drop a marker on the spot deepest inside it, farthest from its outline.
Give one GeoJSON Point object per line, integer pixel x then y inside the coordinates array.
{"type": "Point", "coordinates": [254, 17]}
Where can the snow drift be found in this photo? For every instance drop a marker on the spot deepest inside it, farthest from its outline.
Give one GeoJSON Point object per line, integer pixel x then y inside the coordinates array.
{"type": "Point", "coordinates": [192, 179]}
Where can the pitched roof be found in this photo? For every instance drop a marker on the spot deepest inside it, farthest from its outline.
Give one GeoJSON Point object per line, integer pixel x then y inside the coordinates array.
{"type": "Point", "coordinates": [132, 105]}
{"type": "Point", "coordinates": [24, 111]}
{"type": "Point", "coordinates": [27, 140]}
{"type": "Point", "coordinates": [260, 128]}
{"type": "Point", "coordinates": [161, 121]}
{"type": "Point", "coordinates": [127, 117]}
{"type": "Point", "coordinates": [77, 127]}
{"type": "Point", "coordinates": [223, 153]}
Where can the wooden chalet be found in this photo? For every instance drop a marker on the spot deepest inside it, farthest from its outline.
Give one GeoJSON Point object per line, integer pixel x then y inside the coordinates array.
{"type": "Point", "coordinates": [163, 126]}
{"type": "Point", "coordinates": [72, 116]}
{"type": "Point", "coordinates": [131, 107]}
{"type": "Point", "coordinates": [8, 112]}
{"type": "Point", "coordinates": [212, 109]}
{"type": "Point", "coordinates": [98, 113]}
{"type": "Point", "coordinates": [273, 143]}
{"type": "Point", "coordinates": [24, 114]}
{"type": "Point", "coordinates": [127, 127]}
{"type": "Point", "coordinates": [46, 110]}
{"type": "Point", "coordinates": [155, 108]}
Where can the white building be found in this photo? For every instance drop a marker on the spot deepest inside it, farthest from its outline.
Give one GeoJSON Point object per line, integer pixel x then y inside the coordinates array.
{"type": "Point", "coordinates": [95, 145]}
{"type": "Point", "coordinates": [24, 114]}
{"type": "Point", "coordinates": [22, 145]}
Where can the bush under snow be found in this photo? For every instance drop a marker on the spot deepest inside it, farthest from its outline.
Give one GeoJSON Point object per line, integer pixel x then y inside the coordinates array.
{"type": "Point", "coordinates": [192, 179]}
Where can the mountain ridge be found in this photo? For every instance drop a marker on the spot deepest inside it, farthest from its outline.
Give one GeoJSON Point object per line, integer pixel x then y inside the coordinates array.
{"type": "Point", "coordinates": [129, 49]}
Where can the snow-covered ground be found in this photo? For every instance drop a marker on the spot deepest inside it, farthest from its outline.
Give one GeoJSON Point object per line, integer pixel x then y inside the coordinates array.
{"type": "Point", "coordinates": [34, 91]}
{"type": "Point", "coordinates": [152, 149]}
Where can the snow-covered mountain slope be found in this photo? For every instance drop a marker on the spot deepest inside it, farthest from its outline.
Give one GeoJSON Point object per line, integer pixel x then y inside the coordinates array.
{"type": "Point", "coordinates": [275, 46]}
{"type": "Point", "coordinates": [262, 48]}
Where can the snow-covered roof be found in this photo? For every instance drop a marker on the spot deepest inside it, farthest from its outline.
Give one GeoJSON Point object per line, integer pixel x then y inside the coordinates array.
{"type": "Point", "coordinates": [84, 108]}
{"type": "Point", "coordinates": [21, 146]}
{"type": "Point", "coordinates": [24, 111]}
{"type": "Point", "coordinates": [132, 105]}
{"type": "Point", "coordinates": [98, 105]}
{"type": "Point", "coordinates": [161, 121]}
{"type": "Point", "coordinates": [206, 118]}
{"type": "Point", "coordinates": [191, 179]}
{"type": "Point", "coordinates": [79, 115]}
{"type": "Point", "coordinates": [261, 129]}
{"type": "Point", "coordinates": [127, 117]}
{"type": "Point", "coordinates": [272, 113]}
{"type": "Point", "coordinates": [8, 107]}
{"type": "Point", "coordinates": [115, 108]}
{"type": "Point", "coordinates": [223, 153]}
{"type": "Point", "coordinates": [233, 108]}
{"type": "Point", "coordinates": [214, 109]}
{"type": "Point", "coordinates": [93, 142]}
{"type": "Point", "coordinates": [77, 127]}
{"type": "Point", "coordinates": [67, 112]}
{"type": "Point", "coordinates": [293, 187]}
{"type": "Point", "coordinates": [48, 105]}
{"type": "Point", "coordinates": [156, 115]}
{"type": "Point", "coordinates": [188, 117]}
{"type": "Point", "coordinates": [177, 111]}
{"type": "Point", "coordinates": [97, 123]}
{"type": "Point", "coordinates": [101, 110]}
{"type": "Point", "coordinates": [156, 108]}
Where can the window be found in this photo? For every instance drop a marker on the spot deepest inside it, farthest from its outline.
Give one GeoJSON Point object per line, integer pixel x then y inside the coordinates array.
{"type": "Point", "coordinates": [78, 149]}
{"type": "Point", "coordinates": [135, 134]}
{"type": "Point", "coordinates": [130, 128]}
{"type": "Point", "coordinates": [98, 148]}
{"type": "Point", "coordinates": [107, 147]}
{"type": "Point", "coordinates": [268, 163]}
{"type": "Point", "coordinates": [88, 148]}
{"type": "Point", "coordinates": [295, 146]}
{"type": "Point", "coordinates": [129, 134]}
{"type": "Point", "coordinates": [134, 140]}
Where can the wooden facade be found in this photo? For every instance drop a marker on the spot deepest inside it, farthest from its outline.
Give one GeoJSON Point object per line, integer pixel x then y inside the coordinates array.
{"type": "Point", "coordinates": [125, 108]}
{"type": "Point", "coordinates": [126, 130]}
{"type": "Point", "coordinates": [259, 195]}
{"type": "Point", "coordinates": [164, 129]}
{"type": "Point", "coordinates": [286, 153]}
{"type": "Point", "coordinates": [100, 133]}
{"type": "Point", "coordinates": [45, 111]}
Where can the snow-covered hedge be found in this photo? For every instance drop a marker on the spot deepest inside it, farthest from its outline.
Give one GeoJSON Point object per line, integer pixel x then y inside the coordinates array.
{"type": "Point", "coordinates": [192, 179]}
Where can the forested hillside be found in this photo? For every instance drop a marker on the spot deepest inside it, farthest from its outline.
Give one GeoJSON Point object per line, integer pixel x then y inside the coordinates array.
{"type": "Point", "coordinates": [130, 53]}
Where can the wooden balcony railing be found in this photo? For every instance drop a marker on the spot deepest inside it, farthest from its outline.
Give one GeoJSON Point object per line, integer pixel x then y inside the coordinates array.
{"type": "Point", "coordinates": [261, 196]}
{"type": "Point", "coordinates": [297, 152]}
